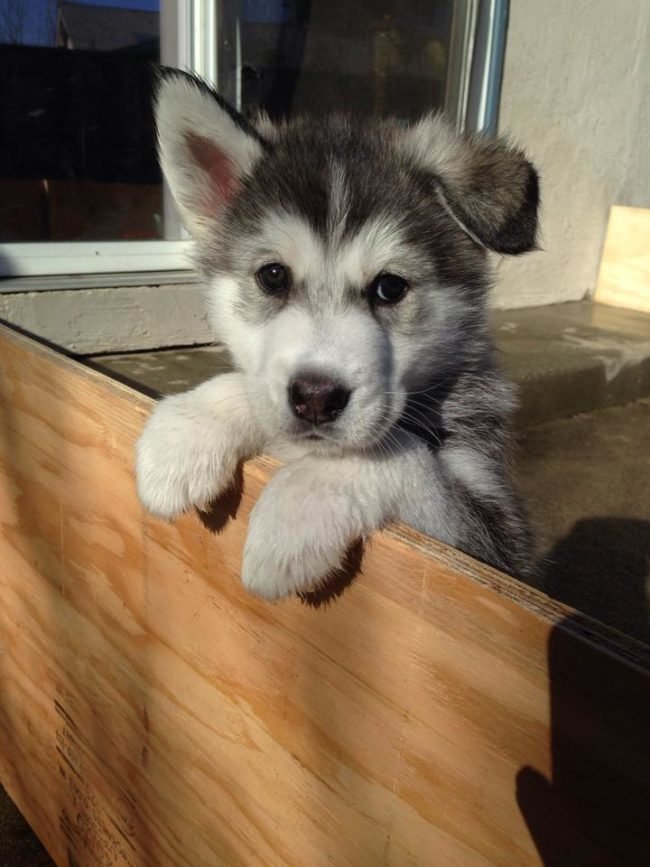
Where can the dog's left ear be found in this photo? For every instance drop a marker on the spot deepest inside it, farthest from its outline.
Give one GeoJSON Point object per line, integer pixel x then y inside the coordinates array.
{"type": "Point", "coordinates": [487, 186]}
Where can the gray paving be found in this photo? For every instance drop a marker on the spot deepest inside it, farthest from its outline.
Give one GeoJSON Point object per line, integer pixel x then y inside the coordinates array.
{"type": "Point", "coordinates": [571, 358]}
{"type": "Point", "coordinates": [167, 371]}
{"type": "Point", "coordinates": [586, 480]}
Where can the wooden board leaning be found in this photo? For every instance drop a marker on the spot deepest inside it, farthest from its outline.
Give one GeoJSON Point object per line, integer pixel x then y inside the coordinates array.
{"type": "Point", "coordinates": [624, 275]}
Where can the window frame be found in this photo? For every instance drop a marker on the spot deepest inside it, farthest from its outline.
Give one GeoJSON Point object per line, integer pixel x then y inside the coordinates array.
{"type": "Point", "coordinates": [191, 31]}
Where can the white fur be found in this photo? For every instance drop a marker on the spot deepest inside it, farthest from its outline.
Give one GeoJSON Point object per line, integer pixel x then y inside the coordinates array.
{"type": "Point", "coordinates": [287, 238]}
{"type": "Point", "coordinates": [316, 508]}
{"type": "Point", "coordinates": [312, 511]}
{"type": "Point", "coordinates": [434, 144]}
{"type": "Point", "coordinates": [335, 338]}
{"type": "Point", "coordinates": [473, 469]}
{"type": "Point", "coordinates": [190, 447]}
{"type": "Point", "coordinates": [377, 247]}
{"type": "Point", "coordinates": [241, 338]}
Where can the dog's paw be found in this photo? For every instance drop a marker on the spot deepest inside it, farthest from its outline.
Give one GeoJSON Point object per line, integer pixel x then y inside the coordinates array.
{"type": "Point", "coordinates": [299, 535]}
{"type": "Point", "coordinates": [181, 462]}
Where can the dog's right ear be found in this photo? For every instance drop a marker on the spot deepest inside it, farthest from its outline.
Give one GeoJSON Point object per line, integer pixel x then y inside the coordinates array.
{"type": "Point", "coordinates": [205, 147]}
{"type": "Point", "coordinates": [486, 185]}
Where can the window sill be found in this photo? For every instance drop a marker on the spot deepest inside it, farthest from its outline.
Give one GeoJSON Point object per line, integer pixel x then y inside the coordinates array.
{"type": "Point", "coordinates": [157, 310]}
{"type": "Point", "coordinates": [94, 281]}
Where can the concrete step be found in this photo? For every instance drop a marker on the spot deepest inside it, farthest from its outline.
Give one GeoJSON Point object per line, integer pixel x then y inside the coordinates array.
{"type": "Point", "coordinates": [566, 358]}
{"type": "Point", "coordinates": [586, 481]}
{"type": "Point", "coordinates": [573, 358]}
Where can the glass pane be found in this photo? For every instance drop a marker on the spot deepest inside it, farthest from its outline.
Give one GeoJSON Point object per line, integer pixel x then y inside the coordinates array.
{"type": "Point", "coordinates": [77, 147]}
{"type": "Point", "coordinates": [377, 56]}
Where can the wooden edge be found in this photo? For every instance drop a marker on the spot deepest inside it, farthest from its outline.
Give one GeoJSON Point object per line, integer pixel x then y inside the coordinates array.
{"type": "Point", "coordinates": [606, 638]}
{"type": "Point", "coordinates": [582, 626]}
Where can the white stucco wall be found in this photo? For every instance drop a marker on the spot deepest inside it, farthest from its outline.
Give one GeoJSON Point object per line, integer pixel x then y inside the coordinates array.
{"type": "Point", "coordinates": [576, 95]}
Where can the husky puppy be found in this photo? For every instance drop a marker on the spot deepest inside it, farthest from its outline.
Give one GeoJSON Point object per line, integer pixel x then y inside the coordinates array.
{"type": "Point", "coordinates": [346, 267]}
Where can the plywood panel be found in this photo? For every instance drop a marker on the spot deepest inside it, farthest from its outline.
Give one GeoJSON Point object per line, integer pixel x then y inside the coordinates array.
{"type": "Point", "coordinates": [624, 276]}
{"type": "Point", "coordinates": [152, 713]}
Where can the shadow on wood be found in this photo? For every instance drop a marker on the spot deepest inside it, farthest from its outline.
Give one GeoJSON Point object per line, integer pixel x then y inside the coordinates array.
{"type": "Point", "coordinates": [592, 808]}
{"type": "Point", "coordinates": [224, 508]}
{"type": "Point", "coordinates": [338, 582]}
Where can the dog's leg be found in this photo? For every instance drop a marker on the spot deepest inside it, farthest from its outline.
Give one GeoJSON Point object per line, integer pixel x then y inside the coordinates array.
{"type": "Point", "coordinates": [315, 509]}
{"type": "Point", "coordinates": [190, 447]}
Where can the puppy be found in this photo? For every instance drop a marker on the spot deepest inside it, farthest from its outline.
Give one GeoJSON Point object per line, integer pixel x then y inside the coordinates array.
{"type": "Point", "coordinates": [346, 266]}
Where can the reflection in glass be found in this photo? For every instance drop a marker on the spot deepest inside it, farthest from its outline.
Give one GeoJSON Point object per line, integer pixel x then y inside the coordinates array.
{"type": "Point", "coordinates": [77, 144]}
{"type": "Point", "coordinates": [77, 153]}
{"type": "Point", "coordinates": [372, 57]}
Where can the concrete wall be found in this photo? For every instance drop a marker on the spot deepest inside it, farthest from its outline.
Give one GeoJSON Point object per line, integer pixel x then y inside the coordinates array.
{"type": "Point", "coordinates": [576, 94]}
{"type": "Point", "coordinates": [112, 319]}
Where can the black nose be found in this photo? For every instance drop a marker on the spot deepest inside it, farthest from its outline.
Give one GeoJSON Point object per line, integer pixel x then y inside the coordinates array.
{"type": "Point", "coordinates": [316, 398]}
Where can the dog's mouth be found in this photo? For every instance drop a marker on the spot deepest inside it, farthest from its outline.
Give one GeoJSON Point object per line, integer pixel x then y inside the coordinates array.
{"type": "Point", "coordinates": [314, 435]}
{"type": "Point", "coordinates": [325, 437]}
{"type": "Point", "coordinates": [334, 437]}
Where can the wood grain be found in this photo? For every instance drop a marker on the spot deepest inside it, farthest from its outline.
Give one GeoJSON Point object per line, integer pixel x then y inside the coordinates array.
{"type": "Point", "coordinates": [152, 713]}
{"type": "Point", "coordinates": [624, 276]}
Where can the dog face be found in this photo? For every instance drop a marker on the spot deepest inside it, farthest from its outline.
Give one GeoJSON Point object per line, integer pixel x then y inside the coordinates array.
{"type": "Point", "coordinates": [346, 261]}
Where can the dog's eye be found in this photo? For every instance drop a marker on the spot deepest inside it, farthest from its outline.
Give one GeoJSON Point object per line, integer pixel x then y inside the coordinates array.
{"type": "Point", "coordinates": [388, 289]}
{"type": "Point", "coordinates": [273, 278]}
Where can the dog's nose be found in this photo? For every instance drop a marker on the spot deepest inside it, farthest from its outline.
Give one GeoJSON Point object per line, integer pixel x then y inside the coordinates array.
{"type": "Point", "coordinates": [317, 399]}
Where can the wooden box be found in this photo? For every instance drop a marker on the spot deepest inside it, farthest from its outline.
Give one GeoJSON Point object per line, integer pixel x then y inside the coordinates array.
{"type": "Point", "coordinates": [152, 713]}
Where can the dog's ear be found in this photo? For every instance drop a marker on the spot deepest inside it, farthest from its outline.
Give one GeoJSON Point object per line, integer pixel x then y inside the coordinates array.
{"type": "Point", "coordinates": [486, 185]}
{"type": "Point", "coordinates": [205, 147]}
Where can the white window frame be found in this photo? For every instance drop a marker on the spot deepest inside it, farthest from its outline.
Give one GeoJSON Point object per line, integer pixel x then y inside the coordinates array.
{"type": "Point", "coordinates": [189, 39]}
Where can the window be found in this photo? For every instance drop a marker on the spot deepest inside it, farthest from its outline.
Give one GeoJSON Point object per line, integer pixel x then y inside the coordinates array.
{"type": "Point", "coordinates": [80, 188]}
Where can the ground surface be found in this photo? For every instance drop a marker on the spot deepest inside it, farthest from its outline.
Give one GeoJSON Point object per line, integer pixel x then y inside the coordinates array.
{"type": "Point", "coordinates": [587, 483]}
{"type": "Point", "coordinates": [19, 847]}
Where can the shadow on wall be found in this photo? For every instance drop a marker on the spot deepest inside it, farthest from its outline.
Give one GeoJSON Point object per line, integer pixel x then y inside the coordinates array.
{"type": "Point", "coordinates": [602, 568]}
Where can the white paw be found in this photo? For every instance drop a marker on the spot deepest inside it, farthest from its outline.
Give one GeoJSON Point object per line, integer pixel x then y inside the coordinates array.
{"type": "Point", "coordinates": [182, 462]}
{"type": "Point", "coordinates": [299, 533]}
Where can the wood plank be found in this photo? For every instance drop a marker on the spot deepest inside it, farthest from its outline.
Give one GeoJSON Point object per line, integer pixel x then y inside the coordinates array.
{"type": "Point", "coordinates": [152, 713]}
{"type": "Point", "coordinates": [624, 276]}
